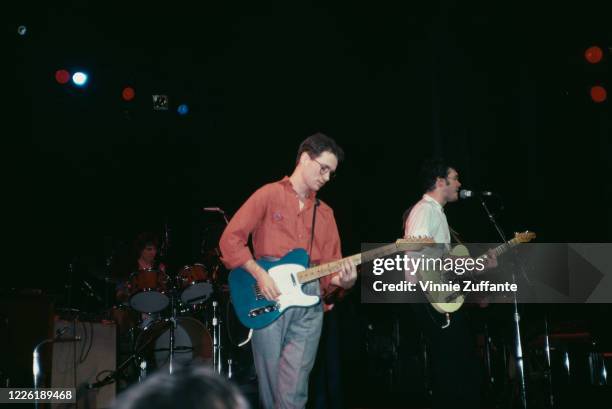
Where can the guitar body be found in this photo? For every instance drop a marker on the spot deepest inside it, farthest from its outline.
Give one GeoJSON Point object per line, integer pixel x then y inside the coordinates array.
{"type": "Point", "coordinates": [290, 273]}
{"type": "Point", "coordinates": [446, 301]}
{"type": "Point", "coordinates": [438, 299]}
{"type": "Point", "coordinates": [252, 308]}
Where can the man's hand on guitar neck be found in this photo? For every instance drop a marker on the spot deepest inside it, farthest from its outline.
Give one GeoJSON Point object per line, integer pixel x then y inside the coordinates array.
{"type": "Point", "coordinates": [491, 259]}
{"type": "Point", "coordinates": [347, 275]}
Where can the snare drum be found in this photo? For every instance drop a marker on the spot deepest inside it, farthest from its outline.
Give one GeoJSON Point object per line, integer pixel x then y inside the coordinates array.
{"type": "Point", "coordinates": [147, 289]}
{"type": "Point", "coordinates": [195, 284]}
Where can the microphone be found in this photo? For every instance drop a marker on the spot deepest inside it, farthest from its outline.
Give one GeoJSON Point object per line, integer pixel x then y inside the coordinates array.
{"type": "Point", "coordinates": [467, 194]}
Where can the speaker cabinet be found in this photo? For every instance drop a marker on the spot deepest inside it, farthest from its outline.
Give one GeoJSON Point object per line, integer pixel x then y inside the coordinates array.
{"type": "Point", "coordinates": [81, 363]}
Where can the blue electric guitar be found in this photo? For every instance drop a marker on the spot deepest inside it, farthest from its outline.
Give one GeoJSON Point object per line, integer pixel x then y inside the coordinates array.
{"type": "Point", "coordinates": [289, 274]}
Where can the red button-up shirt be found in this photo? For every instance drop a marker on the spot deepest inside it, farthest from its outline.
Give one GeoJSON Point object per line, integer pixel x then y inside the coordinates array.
{"type": "Point", "coordinates": [273, 217]}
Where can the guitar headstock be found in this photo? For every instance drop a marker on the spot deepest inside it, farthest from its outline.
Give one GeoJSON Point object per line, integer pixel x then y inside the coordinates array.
{"type": "Point", "coordinates": [525, 236]}
{"type": "Point", "coordinates": [413, 243]}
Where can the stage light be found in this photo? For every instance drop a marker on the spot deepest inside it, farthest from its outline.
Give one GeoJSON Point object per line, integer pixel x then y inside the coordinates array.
{"type": "Point", "coordinates": [183, 109]}
{"type": "Point", "coordinates": [598, 93]}
{"type": "Point", "coordinates": [160, 102]}
{"type": "Point", "coordinates": [593, 54]}
{"type": "Point", "coordinates": [22, 30]}
{"type": "Point", "coordinates": [62, 76]}
{"type": "Point", "coordinates": [79, 78]}
{"type": "Point", "coordinates": [128, 94]}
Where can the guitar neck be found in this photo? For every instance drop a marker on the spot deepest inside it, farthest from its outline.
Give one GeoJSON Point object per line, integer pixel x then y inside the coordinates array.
{"type": "Point", "coordinates": [326, 269]}
{"type": "Point", "coordinates": [502, 248]}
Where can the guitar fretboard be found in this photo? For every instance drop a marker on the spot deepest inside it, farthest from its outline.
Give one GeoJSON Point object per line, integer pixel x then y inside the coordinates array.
{"type": "Point", "coordinates": [323, 270]}
{"type": "Point", "coordinates": [502, 248]}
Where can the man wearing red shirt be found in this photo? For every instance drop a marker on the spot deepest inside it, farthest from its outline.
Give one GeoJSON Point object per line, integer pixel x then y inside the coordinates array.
{"type": "Point", "coordinates": [279, 217]}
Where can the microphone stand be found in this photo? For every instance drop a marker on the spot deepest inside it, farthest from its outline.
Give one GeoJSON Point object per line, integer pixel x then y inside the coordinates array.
{"type": "Point", "coordinates": [518, 347]}
{"type": "Point", "coordinates": [217, 210]}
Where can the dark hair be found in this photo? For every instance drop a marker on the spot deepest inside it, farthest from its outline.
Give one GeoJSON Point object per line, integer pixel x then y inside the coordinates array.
{"type": "Point", "coordinates": [188, 387]}
{"type": "Point", "coordinates": [143, 240]}
{"type": "Point", "coordinates": [318, 143]}
{"type": "Point", "coordinates": [431, 170]}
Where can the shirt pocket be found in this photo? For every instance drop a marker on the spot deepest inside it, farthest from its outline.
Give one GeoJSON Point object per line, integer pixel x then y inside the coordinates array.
{"type": "Point", "coordinates": [278, 221]}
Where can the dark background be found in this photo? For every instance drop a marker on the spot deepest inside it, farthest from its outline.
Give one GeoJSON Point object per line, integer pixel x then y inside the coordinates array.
{"type": "Point", "coordinates": [500, 89]}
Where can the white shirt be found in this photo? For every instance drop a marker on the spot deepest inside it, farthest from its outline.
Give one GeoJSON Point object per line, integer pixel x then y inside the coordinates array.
{"type": "Point", "coordinates": [427, 218]}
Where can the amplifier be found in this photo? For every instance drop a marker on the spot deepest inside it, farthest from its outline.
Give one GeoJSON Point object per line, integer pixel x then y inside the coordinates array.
{"type": "Point", "coordinates": [77, 364]}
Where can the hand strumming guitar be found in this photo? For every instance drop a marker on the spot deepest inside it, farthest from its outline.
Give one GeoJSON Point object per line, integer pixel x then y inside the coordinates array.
{"type": "Point", "coordinates": [266, 284]}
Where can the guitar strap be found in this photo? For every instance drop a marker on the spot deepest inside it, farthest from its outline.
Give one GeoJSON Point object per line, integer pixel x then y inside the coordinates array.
{"type": "Point", "coordinates": [312, 228]}
{"type": "Point", "coordinates": [455, 235]}
{"type": "Point", "coordinates": [457, 238]}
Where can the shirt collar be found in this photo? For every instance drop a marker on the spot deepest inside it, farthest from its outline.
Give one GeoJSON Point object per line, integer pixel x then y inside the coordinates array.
{"type": "Point", "coordinates": [286, 182]}
{"type": "Point", "coordinates": [430, 199]}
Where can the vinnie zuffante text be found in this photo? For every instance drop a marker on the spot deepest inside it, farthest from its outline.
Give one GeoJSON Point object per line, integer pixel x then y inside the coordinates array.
{"type": "Point", "coordinates": [425, 265]}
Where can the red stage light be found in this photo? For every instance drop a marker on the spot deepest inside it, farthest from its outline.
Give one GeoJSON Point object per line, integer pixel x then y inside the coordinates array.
{"type": "Point", "coordinates": [593, 54]}
{"type": "Point", "coordinates": [128, 94]}
{"type": "Point", "coordinates": [62, 76]}
{"type": "Point", "coordinates": [598, 93]}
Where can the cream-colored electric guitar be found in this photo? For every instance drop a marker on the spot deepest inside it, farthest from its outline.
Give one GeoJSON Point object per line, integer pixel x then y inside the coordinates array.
{"type": "Point", "coordinates": [450, 301]}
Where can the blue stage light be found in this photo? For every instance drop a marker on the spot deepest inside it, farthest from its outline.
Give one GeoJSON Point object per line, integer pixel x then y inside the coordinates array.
{"type": "Point", "coordinates": [79, 78]}
{"type": "Point", "coordinates": [183, 109]}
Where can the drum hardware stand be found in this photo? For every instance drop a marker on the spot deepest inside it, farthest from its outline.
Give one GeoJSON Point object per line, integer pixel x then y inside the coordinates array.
{"type": "Point", "coordinates": [142, 373]}
{"type": "Point", "coordinates": [229, 368]}
{"type": "Point", "coordinates": [216, 324]}
{"type": "Point", "coordinates": [114, 375]}
{"type": "Point", "coordinates": [165, 244]}
{"type": "Point", "coordinates": [68, 286]}
{"type": "Point", "coordinates": [548, 369]}
{"type": "Point", "coordinates": [518, 348]}
{"type": "Point", "coordinates": [487, 356]}
{"type": "Point", "coordinates": [172, 330]}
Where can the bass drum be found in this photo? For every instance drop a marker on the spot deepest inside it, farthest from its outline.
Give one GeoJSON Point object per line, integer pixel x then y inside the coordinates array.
{"type": "Point", "coordinates": [192, 342]}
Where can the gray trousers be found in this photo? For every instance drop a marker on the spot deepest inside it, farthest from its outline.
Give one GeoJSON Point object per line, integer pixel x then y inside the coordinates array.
{"type": "Point", "coordinates": [285, 352]}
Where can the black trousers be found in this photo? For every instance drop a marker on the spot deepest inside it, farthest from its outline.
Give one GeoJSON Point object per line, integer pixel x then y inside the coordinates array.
{"type": "Point", "coordinates": [455, 365]}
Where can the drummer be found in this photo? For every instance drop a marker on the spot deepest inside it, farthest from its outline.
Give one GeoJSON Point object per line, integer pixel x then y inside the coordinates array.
{"type": "Point", "coordinates": [144, 256]}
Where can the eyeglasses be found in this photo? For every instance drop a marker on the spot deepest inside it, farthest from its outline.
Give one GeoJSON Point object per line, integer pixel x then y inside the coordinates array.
{"type": "Point", "coordinates": [326, 169]}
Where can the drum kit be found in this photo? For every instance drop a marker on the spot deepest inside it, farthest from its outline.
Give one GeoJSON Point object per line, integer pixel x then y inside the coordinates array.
{"type": "Point", "coordinates": [168, 321]}
{"type": "Point", "coordinates": [165, 320]}
{"type": "Point", "coordinates": [150, 289]}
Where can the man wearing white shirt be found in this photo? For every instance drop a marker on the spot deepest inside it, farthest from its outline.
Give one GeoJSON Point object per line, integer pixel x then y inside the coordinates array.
{"type": "Point", "coordinates": [455, 366]}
